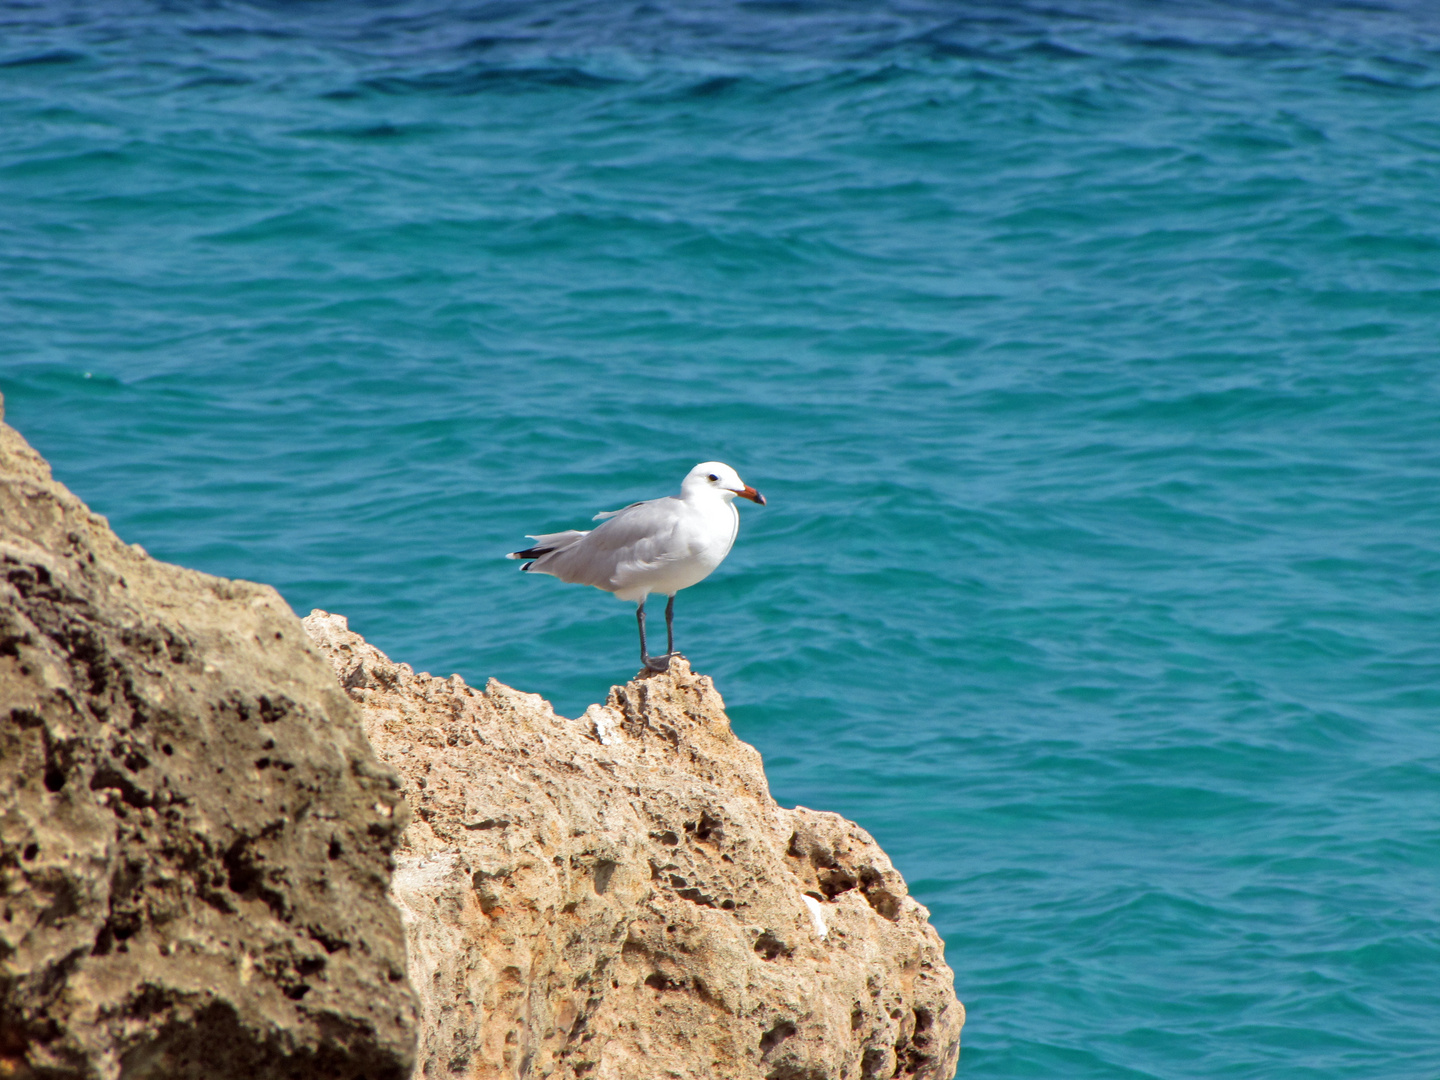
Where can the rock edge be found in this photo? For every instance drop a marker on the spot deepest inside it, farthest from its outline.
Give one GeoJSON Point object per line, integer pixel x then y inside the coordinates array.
{"type": "Point", "coordinates": [194, 832]}
{"type": "Point", "coordinates": [618, 896]}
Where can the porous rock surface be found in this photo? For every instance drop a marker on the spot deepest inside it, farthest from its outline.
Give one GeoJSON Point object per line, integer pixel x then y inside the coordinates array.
{"type": "Point", "coordinates": [194, 833]}
{"type": "Point", "coordinates": [617, 897]}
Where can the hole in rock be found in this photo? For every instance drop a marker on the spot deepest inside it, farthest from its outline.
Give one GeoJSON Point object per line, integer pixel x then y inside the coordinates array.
{"type": "Point", "coordinates": [709, 828]}
{"type": "Point", "coordinates": [776, 1035]}
{"type": "Point", "coordinates": [604, 871]}
{"type": "Point", "coordinates": [768, 946]}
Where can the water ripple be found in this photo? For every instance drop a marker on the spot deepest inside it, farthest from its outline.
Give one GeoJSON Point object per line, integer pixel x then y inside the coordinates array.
{"type": "Point", "coordinates": [1084, 352]}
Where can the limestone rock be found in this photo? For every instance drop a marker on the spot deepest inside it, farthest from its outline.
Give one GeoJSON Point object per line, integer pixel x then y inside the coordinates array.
{"type": "Point", "coordinates": [617, 897]}
{"type": "Point", "coordinates": [194, 833]}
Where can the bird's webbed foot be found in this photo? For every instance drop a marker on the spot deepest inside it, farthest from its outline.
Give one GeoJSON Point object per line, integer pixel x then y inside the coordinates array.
{"type": "Point", "coordinates": [660, 663]}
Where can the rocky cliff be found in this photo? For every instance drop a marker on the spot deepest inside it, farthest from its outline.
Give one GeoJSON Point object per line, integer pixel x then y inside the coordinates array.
{"type": "Point", "coordinates": [194, 833]}
{"type": "Point", "coordinates": [196, 842]}
{"type": "Point", "coordinates": [617, 897]}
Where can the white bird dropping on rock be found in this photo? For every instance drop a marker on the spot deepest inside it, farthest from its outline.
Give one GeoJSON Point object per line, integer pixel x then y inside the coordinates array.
{"type": "Point", "coordinates": [658, 546]}
{"type": "Point", "coordinates": [817, 915]}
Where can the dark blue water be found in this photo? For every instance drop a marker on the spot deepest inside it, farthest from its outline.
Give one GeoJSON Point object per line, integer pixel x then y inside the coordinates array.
{"type": "Point", "coordinates": [1086, 352]}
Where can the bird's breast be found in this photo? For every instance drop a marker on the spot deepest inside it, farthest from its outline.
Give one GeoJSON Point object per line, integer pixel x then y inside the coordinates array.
{"type": "Point", "coordinates": [696, 544]}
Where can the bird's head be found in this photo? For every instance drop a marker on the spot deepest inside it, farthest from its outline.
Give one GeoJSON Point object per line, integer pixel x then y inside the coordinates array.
{"type": "Point", "coordinates": [722, 478]}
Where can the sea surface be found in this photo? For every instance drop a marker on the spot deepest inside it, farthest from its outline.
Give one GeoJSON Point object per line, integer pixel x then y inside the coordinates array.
{"type": "Point", "coordinates": [1087, 351]}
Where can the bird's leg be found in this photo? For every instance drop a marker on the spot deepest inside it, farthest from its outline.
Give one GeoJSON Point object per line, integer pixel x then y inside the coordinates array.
{"type": "Point", "coordinates": [648, 662]}
{"type": "Point", "coordinates": [670, 626]}
{"type": "Point", "coordinates": [640, 618]}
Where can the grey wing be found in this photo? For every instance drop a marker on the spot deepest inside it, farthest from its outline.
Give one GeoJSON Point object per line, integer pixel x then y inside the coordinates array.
{"type": "Point", "coordinates": [643, 535]}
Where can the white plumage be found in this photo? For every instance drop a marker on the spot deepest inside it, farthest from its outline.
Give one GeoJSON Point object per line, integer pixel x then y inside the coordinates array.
{"type": "Point", "coordinates": [659, 546]}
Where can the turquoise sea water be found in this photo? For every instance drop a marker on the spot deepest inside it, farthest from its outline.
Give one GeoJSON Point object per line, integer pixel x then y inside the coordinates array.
{"type": "Point", "coordinates": [1086, 351]}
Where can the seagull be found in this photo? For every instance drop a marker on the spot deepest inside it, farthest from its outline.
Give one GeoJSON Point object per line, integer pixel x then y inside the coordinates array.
{"type": "Point", "coordinates": [657, 546]}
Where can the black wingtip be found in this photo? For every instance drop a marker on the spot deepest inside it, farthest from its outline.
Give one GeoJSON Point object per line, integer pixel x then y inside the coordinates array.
{"type": "Point", "coordinates": [526, 567]}
{"type": "Point", "coordinates": [528, 553]}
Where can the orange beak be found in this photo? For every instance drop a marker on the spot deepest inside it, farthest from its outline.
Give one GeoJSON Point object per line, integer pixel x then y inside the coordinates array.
{"type": "Point", "coordinates": [750, 493]}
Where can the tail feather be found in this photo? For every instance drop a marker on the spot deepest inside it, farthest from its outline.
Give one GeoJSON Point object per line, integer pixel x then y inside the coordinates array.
{"type": "Point", "coordinates": [546, 543]}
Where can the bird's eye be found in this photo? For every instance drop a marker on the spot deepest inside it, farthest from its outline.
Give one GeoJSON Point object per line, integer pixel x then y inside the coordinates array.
{"type": "Point", "coordinates": [714, 477]}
